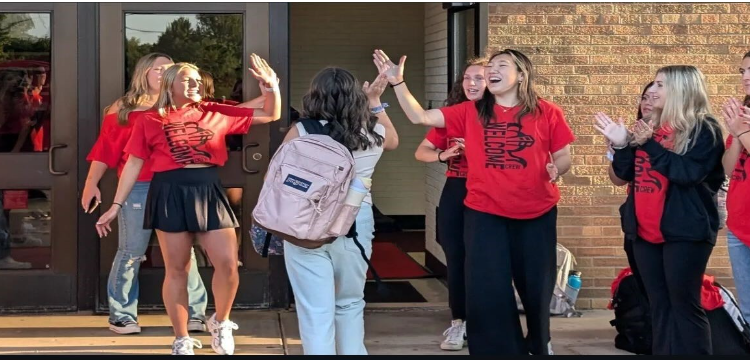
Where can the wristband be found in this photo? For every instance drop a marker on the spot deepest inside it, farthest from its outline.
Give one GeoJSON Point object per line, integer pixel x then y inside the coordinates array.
{"type": "Point", "coordinates": [441, 160]}
{"type": "Point", "coordinates": [118, 204]}
{"type": "Point", "coordinates": [621, 147]}
{"type": "Point", "coordinates": [378, 109]}
{"type": "Point", "coordinates": [397, 84]}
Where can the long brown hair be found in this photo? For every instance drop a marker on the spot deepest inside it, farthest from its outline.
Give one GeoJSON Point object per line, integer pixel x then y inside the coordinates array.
{"type": "Point", "coordinates": [457, 95]}
{"type": "Point", "coordinates": [165, 103]}
{"type": "Point", "coordinates": [138, 90]}
{"type": "Point", "coordinates": [335, 95]}
{"type": "Point", "coordinates": [527, 93]}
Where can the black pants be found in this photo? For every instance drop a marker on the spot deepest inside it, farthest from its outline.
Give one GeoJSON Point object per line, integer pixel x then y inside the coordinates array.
{"type": "Point", "coordinates": [628, 246]}
{"type": "Point", "coordinates": [499, 252]}
{"type": "Point", "coordinates": [451, 237]}
{"type": "Point", "coordinates": [673, 275]}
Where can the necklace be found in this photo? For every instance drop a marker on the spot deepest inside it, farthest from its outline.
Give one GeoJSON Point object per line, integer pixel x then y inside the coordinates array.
{"type": "Point", "coordinates": [506, 109]}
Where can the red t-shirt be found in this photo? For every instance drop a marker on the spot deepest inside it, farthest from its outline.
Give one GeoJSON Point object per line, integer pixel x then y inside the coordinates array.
{"type": "Point", "coordinates": [110, 146]}
{"type": "Point", "coordinates": [191, 135]}
{"type": "Point", "coordinates": [738, 208]}
{"type": "Point", "coordinates": [650, 192]}
{"type": "Point", "coordinates": [507, 161]}
{"type": "Point", "coordinates": [457, 166]}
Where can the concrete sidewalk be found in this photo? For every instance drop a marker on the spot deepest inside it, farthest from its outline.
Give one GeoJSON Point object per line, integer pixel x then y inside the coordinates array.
{"type": "Point", "coordinates": [409, 331]}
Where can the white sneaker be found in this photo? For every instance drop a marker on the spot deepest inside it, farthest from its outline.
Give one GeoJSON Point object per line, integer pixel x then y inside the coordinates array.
{"type": "Point", "coordinates": [455, 336]}
{"type": "Point", "coordinates": [196, 325]}
{"type": "Point", "coordinates": [184, 346]}
{"type": "Point", "coordinates": [222, 340]}
{"type": "Point", "coordinates": [126, 327]}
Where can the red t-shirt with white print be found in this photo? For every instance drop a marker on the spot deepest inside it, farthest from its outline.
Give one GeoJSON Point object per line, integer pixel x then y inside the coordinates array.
{"type": "Point", "coordinates": [191, 135]}
{"type": "Point", "coordinates": [650, 191]}
{"type": "Point", "coordinates": [457, 166]}
{"type": "Point", "coordinates": [738, 207]}
{"type": "Point", "coordinates": [507, 160]}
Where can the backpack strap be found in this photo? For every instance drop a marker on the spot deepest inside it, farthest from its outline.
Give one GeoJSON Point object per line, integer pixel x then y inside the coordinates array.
{"type": "Point", "coordinates": [314, 127]}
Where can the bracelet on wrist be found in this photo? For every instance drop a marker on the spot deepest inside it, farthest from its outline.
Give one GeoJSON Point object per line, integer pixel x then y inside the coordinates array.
{"type": "Point", "coordinates": [118, 204]}
{"type": "Point", "coordinates": [396, 84]}
{"type": "Point", "coordinates": [378, 109]}
{"type": "Point", "coordinates": [742, 133]}
{"type": "Point", "coordinates": [439, 159]}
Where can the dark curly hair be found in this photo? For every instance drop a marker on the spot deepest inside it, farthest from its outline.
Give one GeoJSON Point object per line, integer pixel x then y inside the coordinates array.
{"type": "Point", "coordinates": [335, 95]}
{"type": "Point", "coordinates": [457, 95]}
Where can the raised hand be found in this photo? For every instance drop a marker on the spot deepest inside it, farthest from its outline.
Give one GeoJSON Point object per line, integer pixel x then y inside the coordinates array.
{"type": "Point", "coordinates": [642, 132]}
{"type": "Point", "coordinates": [394, 73]}
{"type": "Point", "coordinates": [261, 71]}
{"type": "Point", "coordinates": [615, 132]}
{"type": "Point", "coordinates": [376, 89]}
{"type": "Point", "coordinates": [732, 112]}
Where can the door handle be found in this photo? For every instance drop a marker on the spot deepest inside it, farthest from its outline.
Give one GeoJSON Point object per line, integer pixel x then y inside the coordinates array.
{"type": "Point", "coordinates": [51, 160]}
{"type": "Point", "coordinates": [244, 158]}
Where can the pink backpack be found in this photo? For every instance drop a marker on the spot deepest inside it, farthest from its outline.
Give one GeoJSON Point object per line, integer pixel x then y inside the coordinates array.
{"type": "Point", "coordinates": [302, 199]}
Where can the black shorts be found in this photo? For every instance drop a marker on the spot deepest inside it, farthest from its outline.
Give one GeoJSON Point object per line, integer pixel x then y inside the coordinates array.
{"type": "Point", "coordinates": [189, 199]}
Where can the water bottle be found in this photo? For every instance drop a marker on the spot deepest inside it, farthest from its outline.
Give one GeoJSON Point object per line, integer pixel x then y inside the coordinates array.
{"type": "Point", "coordinates": [574, 286]}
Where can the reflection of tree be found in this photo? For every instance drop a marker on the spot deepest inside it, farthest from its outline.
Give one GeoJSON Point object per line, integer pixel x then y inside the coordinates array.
{"type": "Point", "coordinates": [214, 44]}
{"type": "Point", "coordinates": [17, 44]}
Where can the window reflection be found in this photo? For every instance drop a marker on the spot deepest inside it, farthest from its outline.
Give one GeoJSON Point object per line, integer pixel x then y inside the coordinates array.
{"type": "Point", "coordinates": [25, 56]}
{"type": "Point", "coordinates": [25, 224]}
{"type": "Point", "coordinates": [213, 42]}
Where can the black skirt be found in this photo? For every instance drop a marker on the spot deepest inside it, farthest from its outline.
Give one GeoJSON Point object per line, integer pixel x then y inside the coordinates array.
{"type": "Point", "coordinates": [189, 199]}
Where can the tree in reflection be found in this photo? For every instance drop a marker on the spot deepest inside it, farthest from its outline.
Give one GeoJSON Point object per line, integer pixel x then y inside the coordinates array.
{"type": "Point", "coordinates": [214, 44]}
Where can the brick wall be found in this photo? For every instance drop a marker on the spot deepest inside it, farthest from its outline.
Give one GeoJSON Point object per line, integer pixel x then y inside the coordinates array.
{"type": "Point", "coordinates": [598, 57]}
{"type": "Point", "coordinates": [345, 34]}
{"type": "Point", "coordinates": [436, 85]}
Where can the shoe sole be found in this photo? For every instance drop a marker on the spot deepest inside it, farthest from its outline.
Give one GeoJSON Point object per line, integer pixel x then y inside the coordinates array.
{"type": "Point", "coordinates": [124, 331]}
{"type": "Point", "coordinates": [451, 347]}
{"type": "Point", "coordinates": [197, 328]}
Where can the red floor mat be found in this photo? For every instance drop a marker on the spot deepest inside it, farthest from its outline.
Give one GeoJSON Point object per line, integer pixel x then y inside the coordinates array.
{"type": "Point", "coordinates": [392, 263]}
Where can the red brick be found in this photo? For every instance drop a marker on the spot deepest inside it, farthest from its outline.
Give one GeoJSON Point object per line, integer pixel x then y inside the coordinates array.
{"type": "Point", "coordinates": [669, 49]}
{"type": "Point", "coordinates": [710, 18]}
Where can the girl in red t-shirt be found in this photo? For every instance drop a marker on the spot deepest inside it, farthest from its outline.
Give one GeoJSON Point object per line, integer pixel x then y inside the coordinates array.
{"type": "Point", "coordinates": [109, 152]}
{"type": "Point", "coordinates": [516, 148]}
{"type": "Point", "coordinates": [674, 164]}
{"type": "Point", "coordinates": [645, 110]}
{"type": "Point", "coordinates": [736, 115]}
{"type": "Point", "coordinates": [184, 138]}
{"type": "Point", "coordinates": [437, 146]}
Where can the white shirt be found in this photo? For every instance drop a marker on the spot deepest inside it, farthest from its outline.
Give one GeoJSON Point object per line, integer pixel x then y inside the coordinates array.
{"type": "Point", "coordinates": [364, 160]}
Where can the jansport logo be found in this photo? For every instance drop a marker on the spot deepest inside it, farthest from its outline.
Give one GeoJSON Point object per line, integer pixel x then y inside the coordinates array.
{"type": "Point", "coordinates": [297, 183]}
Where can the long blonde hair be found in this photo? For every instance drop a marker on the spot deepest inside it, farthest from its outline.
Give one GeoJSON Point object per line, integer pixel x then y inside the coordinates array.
{"type": "Point", "coordinates": [165, 102]}
{"type": "Point", "coordinates": [686, 107]}
{"type": "Point", "coordinates": [138, 90]}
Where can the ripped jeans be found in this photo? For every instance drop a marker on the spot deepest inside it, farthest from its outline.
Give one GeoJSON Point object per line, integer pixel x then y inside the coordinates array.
{"type": "Point", "coordinates": [122, 285]}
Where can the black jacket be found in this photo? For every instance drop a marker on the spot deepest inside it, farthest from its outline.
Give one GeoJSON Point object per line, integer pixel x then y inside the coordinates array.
{"type": "Point", "coordinates": [690, 211]}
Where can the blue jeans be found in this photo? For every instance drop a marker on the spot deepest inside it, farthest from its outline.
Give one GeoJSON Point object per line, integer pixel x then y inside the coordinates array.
{"type": "Point", "coordinates": [739, 255]}
{"type": "Point", "coordinates": [329, 291]}
{"type": "Point", "coordinates": [122, 286]}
